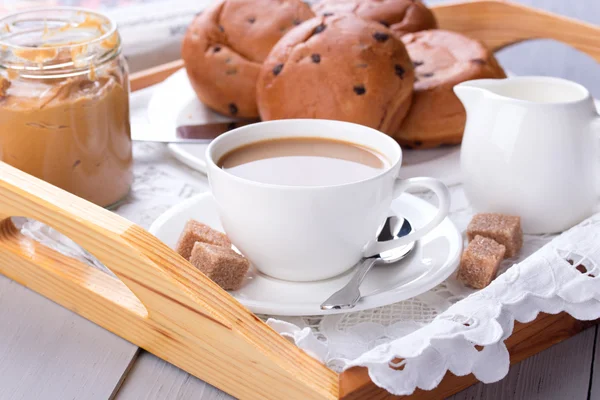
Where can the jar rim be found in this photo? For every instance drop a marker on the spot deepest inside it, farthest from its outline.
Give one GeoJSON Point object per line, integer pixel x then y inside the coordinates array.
{"type": "Point", "coordinates": [107, 30]}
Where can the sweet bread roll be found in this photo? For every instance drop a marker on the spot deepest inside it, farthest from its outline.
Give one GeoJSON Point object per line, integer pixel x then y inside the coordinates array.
{"type": "Point", "coordinates": [442, 59]}
{"type": "Point", "coordinates": [225, 46]}
{"type": "Point", "coordinates": [339, 67]}
{"type": "Point", "coordinates": [401, 16]}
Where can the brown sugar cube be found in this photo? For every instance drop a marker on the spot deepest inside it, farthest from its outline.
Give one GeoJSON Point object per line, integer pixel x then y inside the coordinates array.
{"type": "Point", "coordinates": [222, 265]}
{"type": "Point", "coordinates": [479, 262]}
{"type": "Point", "coordinates": [504, 229]}
{"type": "Point", "coordinates": [195, 231]}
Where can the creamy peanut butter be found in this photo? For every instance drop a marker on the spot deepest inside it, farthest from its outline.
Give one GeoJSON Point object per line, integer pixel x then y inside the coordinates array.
{"type": "Point", "coordinates": [67, 122]}
{"type": "Point", "coordinates": [73, 134]}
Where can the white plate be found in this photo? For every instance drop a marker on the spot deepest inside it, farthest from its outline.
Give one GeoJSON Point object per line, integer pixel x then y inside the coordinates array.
{"type": "Point", "coordinates": [435, 257]}
{"type": "Point", "coordinates": [174, 103]}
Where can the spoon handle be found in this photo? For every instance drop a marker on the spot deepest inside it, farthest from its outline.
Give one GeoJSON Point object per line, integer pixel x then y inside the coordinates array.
{"type": "Point", "coordinates": [348, 296]}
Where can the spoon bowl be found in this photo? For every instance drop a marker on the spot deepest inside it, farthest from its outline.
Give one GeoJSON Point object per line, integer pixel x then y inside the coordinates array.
{"type": "Point", "coordinates": [394, 227]}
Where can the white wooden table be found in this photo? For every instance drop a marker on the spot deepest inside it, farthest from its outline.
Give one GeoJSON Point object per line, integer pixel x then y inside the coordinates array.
{"type": "Point", "coordinates": [49, 353]}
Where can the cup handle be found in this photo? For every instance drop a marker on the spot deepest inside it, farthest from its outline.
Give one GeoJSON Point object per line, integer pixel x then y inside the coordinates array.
{"type": "Point", "coordinates": [441, 191]}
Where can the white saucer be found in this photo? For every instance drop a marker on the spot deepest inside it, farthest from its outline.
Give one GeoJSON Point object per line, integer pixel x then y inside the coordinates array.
{"type": "Point", "coordinates": [174, 103]}
{"type": "Point", "coordinates": [435, 257]}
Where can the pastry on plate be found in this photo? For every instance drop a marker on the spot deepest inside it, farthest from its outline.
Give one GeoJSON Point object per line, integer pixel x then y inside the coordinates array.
{"type": "Point", "coordinates": [338, 67]}
{"type": "Point", "coordinates": [442, 59]}
{"type": "Point", "coordinates": [401, 16]}
{"type": "Point", "coordinates": [225, 46]}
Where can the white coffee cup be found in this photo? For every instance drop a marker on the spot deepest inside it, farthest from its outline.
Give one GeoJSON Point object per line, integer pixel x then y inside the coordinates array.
{"type": "Point", "coordinates": [307, 233]}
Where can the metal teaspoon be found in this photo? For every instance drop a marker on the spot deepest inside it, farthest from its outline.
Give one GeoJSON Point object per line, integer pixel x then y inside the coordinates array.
{"type": "Point", "coordinates": [349, 295]}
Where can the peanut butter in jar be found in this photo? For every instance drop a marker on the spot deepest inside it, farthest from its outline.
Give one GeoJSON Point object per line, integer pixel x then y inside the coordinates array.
{"type": "Point", "coordinates": [64, 102]}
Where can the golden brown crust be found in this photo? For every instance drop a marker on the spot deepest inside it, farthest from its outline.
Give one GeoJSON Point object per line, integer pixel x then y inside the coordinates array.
{"type": "Point", "coordinates": [224, 47]}
{"type": "Point", "coordinates": [442, 59]}
{"type": "Point", "coordinates": [401, 16]}
{"type": "Point", "coordinates": [339, 67]}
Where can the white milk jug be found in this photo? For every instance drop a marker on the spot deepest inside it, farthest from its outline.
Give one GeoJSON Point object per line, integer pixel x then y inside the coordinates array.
{"type": "Point", "coordinates": [531, 148]}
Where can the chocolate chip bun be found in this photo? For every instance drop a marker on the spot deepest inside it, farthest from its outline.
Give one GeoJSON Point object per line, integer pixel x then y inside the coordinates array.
{"type": "Point", "coordinates": [401, 16]}
{"type": "Point", "coordinates": [340, 67]}
{"type": "Point", "coordinates": [442, 59]}
{"type": "Point", "coordinates": [225, 46]}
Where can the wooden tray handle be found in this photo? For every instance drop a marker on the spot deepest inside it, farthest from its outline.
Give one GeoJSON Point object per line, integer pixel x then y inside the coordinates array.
{"type": "Point", "coordinates": [161, 303]}
{"type": "Point", "coordinates": [108, 237]}
{"type": "Point", "coordinates": [500, 23]}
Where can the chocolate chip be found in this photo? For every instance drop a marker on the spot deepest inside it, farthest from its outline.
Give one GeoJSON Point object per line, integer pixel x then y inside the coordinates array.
{"type": "Point", "coordinates": [360, 90]}
{"type": "Point", "coordinates": [76, 163]}
{"type": "Point", "coordinates": [417, 63]}
{"type": "Point", "coordinates": [221, 28]}
{"type": "Point", "coordinates": [316, 58]}
{"type": "Point", "coordinates": [296, 21]}
{"type": "Point", "coordinates": [327, 14]}
{"type": "Point", "coordinates": [418, 143]}
{"type": "Point", "coordinates": [277, 69]}
{"type": "Point", "coordinates": [427, 75]}
{"type": "Point", "coordinates": [386, 24]}
{"type": "Point", "coordinates": [380, 36]}
{"type": "Point", "coordinates": [233, 109]}
{"type": "Point", "coordinates": [252, 20]}
{"type": "Point", "coordinates": [478, 61]}
{"type": "Point", "coordinates": [399, 70]}
{"type": "Point", "coordinates": [320, 28]}
{"type": "Point", "coordinates": [231, 125]}
{"type": "Point", "coordinates": [216, 49]}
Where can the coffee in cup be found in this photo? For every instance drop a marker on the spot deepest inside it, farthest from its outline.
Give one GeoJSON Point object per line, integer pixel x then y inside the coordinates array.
{"type": "Point", "coordinates": [304, 161]}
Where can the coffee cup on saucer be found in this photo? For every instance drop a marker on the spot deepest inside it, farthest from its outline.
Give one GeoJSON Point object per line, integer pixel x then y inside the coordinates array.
{"type": "Point", "coordinates": [303, 199]}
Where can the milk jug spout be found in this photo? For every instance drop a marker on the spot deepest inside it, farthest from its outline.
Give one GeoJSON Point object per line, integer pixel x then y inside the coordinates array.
{"type": "Point", "coordinates": [472, 92]}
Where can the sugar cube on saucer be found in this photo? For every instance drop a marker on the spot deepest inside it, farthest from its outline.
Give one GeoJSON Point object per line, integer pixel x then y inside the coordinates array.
{"type": "Point", "coordinates": [479, 262]}
{"type": "Point", "coordinates": [222, 265]}
{"type": "Point", "coordinates": [504, 229]}
{"type": "Point", "coordinates": [195, 231]}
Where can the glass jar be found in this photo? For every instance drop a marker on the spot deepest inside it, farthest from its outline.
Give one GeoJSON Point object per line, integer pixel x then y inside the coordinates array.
{"type": "Point", "coordinates": [64, 102]}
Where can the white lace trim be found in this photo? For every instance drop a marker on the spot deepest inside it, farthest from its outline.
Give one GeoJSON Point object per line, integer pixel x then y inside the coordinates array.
{"type": "Point", "coordinates": [544, 282]}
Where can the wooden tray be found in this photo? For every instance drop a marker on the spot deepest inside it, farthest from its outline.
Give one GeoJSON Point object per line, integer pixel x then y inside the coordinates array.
{"type": "Point", "coordinates": [164, 305]}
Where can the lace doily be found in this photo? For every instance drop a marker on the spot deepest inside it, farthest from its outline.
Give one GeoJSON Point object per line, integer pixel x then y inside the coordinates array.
{"type": "Point", "coordinates": [432, 336]}
{"type": "Point", "coordinates": [432, 333]}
